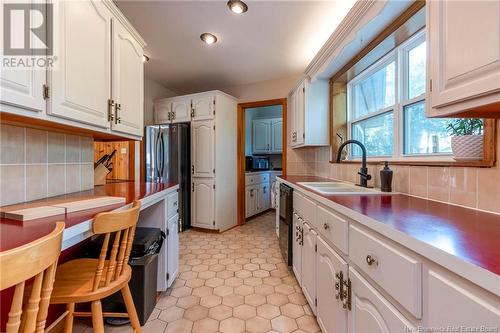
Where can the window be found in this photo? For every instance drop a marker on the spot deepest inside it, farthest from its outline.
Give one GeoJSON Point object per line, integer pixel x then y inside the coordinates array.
{"type": "Point", "coordinates": [386, 107]}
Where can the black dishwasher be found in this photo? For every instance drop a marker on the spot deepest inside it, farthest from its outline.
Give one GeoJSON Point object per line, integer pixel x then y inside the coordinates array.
{"type": "Point", "coordinates": [286, 223]}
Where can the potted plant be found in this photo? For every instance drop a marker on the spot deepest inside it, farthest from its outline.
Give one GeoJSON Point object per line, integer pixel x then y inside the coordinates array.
{"type": "Point", "coordinates": [466, 139]}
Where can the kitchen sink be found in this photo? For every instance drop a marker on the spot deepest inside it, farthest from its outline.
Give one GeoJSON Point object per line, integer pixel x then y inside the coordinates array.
{"type": "Point", "coordinates": [330, 188]}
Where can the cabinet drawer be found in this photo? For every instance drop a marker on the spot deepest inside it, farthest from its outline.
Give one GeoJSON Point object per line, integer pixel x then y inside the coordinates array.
{"type": "Point", "coordinates": [332, 228]}
{"type": "Point", "coordinates": [172, 204]}
{"type": "Point", "coordinates": [395, 270]}
{"type": "Point", "coordinates": [305, 208]}
{"type": "Point", "coordinates": [257, 179]}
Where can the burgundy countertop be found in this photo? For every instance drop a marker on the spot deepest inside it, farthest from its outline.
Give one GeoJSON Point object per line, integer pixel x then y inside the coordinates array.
{"type": "Point", "coordinates": [15, 233]}
{"type": "Point", "coordinates": [471, 235]}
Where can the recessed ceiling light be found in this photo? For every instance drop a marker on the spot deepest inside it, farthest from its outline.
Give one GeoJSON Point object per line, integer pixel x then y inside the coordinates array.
{"type": "Point", "coordinates": [237, 6]}
{"type": "Point", "coordinates": [145, 58]}
{"type": "Point", "coordinates": [208, 38]}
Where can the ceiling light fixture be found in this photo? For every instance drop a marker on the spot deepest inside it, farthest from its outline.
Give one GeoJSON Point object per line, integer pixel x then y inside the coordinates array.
{"type": "Point", "coordinates": [208, 38]}
{"type": "Point", "coordinates": [145, 58]}
{"type": "Point", "coordinates": [237, 6]}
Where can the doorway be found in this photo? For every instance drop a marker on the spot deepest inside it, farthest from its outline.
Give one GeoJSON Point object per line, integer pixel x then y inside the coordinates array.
{"type": "Point", "coordinates": [265, 150]}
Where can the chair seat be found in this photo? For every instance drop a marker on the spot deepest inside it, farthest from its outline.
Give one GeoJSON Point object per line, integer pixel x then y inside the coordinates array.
{"type": "Point", "coordinates": [75, 279]}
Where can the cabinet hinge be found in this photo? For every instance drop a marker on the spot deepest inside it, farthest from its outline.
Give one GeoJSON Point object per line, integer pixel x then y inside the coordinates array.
{"type": "Point", "coordinates": [303, 89]}
{"type": "Point", "coordinates": [315, 302]}
{"type": "Point", "coordinates": [192, 187]}
{"type": "Point", "coordinates": [46, 91]}
{"type": "Point", "coordinates": [430, 85]}
{"type": "Point", "coordinates": [214, 106]}
{"type": "Point", "coordinates": [304, 135]}
{"type": "Point", "coordinates": [213, 186]}
{"type": "Point", "coordinates": [168, 232]}
{"type": "Point", "coordinates": [316, 248]}
{"type": "Point", "coordinates": [168, 276]}
{"type": "Point", "coordinates": [213, 171]}
{"type": "Point", "coordinates": [214, 127]}
{"type": "Point", "coordinates": [214, 223]}
{"type": "Point", "coordinates": [111, 116]}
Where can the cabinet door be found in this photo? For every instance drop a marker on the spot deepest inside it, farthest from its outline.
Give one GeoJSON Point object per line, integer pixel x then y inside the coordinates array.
{"type": "Point", "coordinates": [203, 148]}
{"type": "Point", "coordinates": [276, 136]}
{"type": "Point", "coordinates": [181, 111]}
{"type": "Point", "coordinates": [251, 194]}
{"type": "Point", "coordinates": [472, 307]}
{"type": "Point", "coordinates": [464, 52]}
{"type": "Point", "coordinates": [203, 203]}
{"type": "Point", "coordinates": [261, 136]}
{"type": "Point", "coordinates": [81, 81]}
{"type": "Point", "coordinates": [264, 197]}
{"type": "Point", "coordinates": [172, 249]}
{"type": "Point", "coordinates": [309, 265]}
{"type": "Point", "coordinates": [291, 115]}
{"type": "Point", "coordinates": [162, 112]}
{"type": "Point", "coordinates": [128, 82]}
{"type": "Point", "coordinates": [332, 317]}
{"type": "Point", "coordinates": [297, 248]}
{"type": "Point", "coordinates": [371, 312]}
{"type": "Point", "coordinates": [203, 107]}
{"type": "Point", "coordinates": [299, 114]}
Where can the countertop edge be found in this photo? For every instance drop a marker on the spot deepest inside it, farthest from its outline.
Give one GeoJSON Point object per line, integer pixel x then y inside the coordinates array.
{"type": "Point", "coordinates": [476, 274]}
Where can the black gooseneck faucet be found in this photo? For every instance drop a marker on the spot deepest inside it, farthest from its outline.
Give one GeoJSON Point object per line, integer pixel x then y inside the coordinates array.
{"type": "Point", "coordinates": [364, 177]}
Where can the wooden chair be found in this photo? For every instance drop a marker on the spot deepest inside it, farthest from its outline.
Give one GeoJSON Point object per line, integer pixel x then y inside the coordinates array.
{"type": "Point", "coordinates": [37, 260]}
{"type": "Point", "coordinates": [90, 280]}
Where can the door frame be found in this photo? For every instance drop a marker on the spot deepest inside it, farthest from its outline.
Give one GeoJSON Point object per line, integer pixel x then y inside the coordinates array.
{"type": "Point", "coordinates": [241, 147]}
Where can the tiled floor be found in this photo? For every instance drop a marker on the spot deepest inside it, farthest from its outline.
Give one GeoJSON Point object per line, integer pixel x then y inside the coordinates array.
{"type": "Point", "coordinates": [231, 282]}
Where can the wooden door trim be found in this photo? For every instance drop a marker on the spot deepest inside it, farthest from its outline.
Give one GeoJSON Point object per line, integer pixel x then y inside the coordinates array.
{"type": "Point", "coordinates": [241, 147]}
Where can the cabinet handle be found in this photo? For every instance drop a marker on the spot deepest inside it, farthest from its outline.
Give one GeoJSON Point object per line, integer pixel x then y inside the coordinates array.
{"type": "Point", "coordinates": [326, 226]}
{"type": "Point", "coordinates": [192, 169]}
{"type": "Point", "coordinates": [118, 119]}
{"type": "Point", "coordinates": [192, 113]}
{"type": "Point", "coordinates": [251, 192]}
{"type": "Point", "coordinates": [111, 104]}
{"type": "Point", "coordinates": [370, 260]}
{"type": "Point", "coordinates": [264, 189]}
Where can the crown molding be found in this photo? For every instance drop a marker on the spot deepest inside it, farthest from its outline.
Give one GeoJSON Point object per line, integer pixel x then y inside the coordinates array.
{"type": "Point", "coordinates": [123, 20]}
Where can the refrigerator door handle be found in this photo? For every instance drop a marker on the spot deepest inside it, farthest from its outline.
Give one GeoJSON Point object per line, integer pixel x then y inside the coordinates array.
{"type": "Point", "coordinates": [162, 155]}
{"type": "Point", "coordinates": [157, 157]}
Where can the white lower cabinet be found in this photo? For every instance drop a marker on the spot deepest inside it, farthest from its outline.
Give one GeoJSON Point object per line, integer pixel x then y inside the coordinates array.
{"type": "Point", "coordinates": [203, 203]}
{"type": "Point", "coordinates": [297, 247]}
{"type": "Point", "coordinates": [264, 197]}
{"type": "Point", "coordinates": [172, 249]}
{"type": "Point", "coordinates": [370, 311]}
{"type": "Point", "coordinates": [331, 315]}
{"type": "Point", "coordinates": [250, 200]}
{"type": "Point", "coordinates": [309, 264]}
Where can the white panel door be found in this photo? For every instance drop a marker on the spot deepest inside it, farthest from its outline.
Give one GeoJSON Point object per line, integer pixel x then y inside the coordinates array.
{"type": "Point", "coordinates": [162, 112]}
{"type": "Point", "coordinates": [309, 265]}
{"type": "Point", "coordinates": [331, 316]}
{"type": "Point", "coordinates": [81, 81]}
{"type": "Point", "coordinates": [203, 107]}
{"type": "Point", "coordinates": [203, 203]}
{"type": "Point", "coordinates": [181, 111]}
{"type": "Point", "coordinates": [172, 249]}
{"type": "Point", "coordinates": [251, 195]}
{"type": "Point", "coordinates": [464, 42]}
{"type": "Point", "coordinates": [128, 82]}
{"type": "Point", "coordinates": [297, 247]}
{"type": "Point", "coordinates": [371, 312]}
{"type": "Point", "coordinates": [261, 136]}
{"type": "Point", "coordinates": [276, 135]}
{"type": "Point", "coordinates": [299, 114]}
{"type": "Point", "coordinates": [264, 197]}
{"type": "Point", "coordinates": [470, 308]}
{"type": "Point", "coordinates": [203, 148]}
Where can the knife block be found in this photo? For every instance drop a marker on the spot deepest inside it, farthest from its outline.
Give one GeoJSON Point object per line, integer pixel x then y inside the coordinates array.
{"type": "Point", "coordinates": [100, 173]}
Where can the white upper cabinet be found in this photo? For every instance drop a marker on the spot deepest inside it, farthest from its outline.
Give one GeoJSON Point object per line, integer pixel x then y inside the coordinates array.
{"type": "Point", "coordinates": [81, 81]}
{"type": "Point", "coordinates": [128, 80]}
{"type": "Point", "coordinates": [464, 55]}
{"type": "Point", "coordinates": [261, 136]}
{"type": "Point", "coordinates": [309, 111]}
{"type": "Point", "coordinates": [276, 135]}
{"type": "Point", "coordinates": [203, 107]}
{"type": "Point", "coordinates": [181, 110]}
{"type": "Point", "coordinates": [203, 203]}
{"type": "Point", "coordinates": [203, 149]}
{"type": "Point", "coordinates": [162, 112]}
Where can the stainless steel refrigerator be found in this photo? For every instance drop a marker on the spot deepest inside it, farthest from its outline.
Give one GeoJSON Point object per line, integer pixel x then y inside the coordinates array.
{"type": "Point", "coordinates": [168, 159]}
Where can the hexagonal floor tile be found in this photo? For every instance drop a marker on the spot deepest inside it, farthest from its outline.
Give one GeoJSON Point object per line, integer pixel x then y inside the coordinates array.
{"type": "Point", "coordinates": [284, 324]}
{"type": "Point", "coordinates": [244, 290]}
{"type": "Point", "coordinates": [255, 299]}
{"type": "Point", "coordinates": [233, 300]}
{"type": "Point", "coordinates": [264, 289]}
{"type": "Point", "coordinates": [308, 324]}
{"type": "Point", "coordinates": [277, 299]}
{"type": "Point", "coordinates": [223, 291]}
{"type": "Point", "coordinates": [171, 314]}
{"type": "Point", "coordinates": [179, 326]}
{"type": "Point", "coordinates": [211, 301]}
{"type": "Point", "coordinates": [203, 291]}
{"type": "Point", "coordinates": [181, 291]}
{"type": "Point", "coordinates": [206, 325]}
{"type": "Point", "coordinates": [220, 312]}
{"type": "Point", "coordinates": [258, 325]}
{"type": "Point", "coordinates": [268, 311]}
{"type": "Point", "coordinates": [196, 312]}
{"type": "Point", "coordinates": [187, 301]}
{"type": "Point", "coordinates": [232, 325]}
{"type": "Point", "coordinates": [244, 311]}
{"type": "Point", "coordinates": [292, 310]}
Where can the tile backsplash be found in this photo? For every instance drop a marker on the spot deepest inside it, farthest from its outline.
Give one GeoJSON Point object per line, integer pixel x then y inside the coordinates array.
{"type": "Point", "coordinates": [36, 164]}
{"type": "Point", "coordinates": [471, 187]}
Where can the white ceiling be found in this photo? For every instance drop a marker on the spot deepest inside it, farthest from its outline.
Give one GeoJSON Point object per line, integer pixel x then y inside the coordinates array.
{"type": "Point", "coordinates": [274, 39]}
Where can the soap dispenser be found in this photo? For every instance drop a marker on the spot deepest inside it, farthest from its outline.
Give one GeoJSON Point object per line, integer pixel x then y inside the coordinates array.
{"type": "Point", "coordinates": [386, 178]}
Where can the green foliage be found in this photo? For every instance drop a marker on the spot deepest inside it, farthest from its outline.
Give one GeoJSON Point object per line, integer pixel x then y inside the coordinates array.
{"type": "Point", "coordinates": [465, 126]}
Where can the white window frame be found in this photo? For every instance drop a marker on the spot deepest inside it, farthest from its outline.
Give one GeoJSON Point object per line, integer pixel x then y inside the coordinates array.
{"type": "Point", "coordinates": [400, 56]}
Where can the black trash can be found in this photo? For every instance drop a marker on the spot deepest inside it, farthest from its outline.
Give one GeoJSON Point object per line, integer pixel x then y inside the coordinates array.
{"type": "Point", "coordinates": [144, 262]}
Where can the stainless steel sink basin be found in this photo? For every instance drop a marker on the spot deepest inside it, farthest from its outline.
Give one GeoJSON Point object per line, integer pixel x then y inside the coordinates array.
{"type": "Point", "coordinates": [331, 188]}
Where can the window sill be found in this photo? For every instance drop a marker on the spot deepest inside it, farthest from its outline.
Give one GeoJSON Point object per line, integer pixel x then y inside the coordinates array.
{"type": "Point", "coordinates": [422, 162]}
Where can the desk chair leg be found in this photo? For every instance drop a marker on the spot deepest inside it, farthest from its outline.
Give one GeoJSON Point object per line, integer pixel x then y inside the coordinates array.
{"type": "Point", "coordinates": [97, 319]}
{"type": "Point", "coordinates": [129, 303]}
{"type": "Point", "coordinates": [68, 322]}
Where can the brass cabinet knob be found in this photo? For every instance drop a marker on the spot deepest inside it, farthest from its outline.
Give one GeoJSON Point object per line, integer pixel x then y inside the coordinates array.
{"type": "Point", "coordinates": [370, 260]}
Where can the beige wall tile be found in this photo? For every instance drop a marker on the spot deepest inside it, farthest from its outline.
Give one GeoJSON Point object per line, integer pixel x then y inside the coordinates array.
{"type": "Point", "coordinates": [36, 182]}
{"type": "Point", "coordinates": [11, 144]}
{"type": "Point", "coordinates": [56, 148]}
{"type": "Point", "coordinates": [87, 149]}
{"type": "Point", "coordinates": [439, 183]}
{"type": "Point", "coordinates": [401, 179]}
{"type": "Point", "coordinates": [72, 149]}
{"type": "Point", "coordinates": [463, 186]}
{"type": "Point", "coordinates": [56, 179]}
{"type": "Point", "coordinates": [36, 146]}
{"type": "Point", "coordinates": [73, 178]}
{"type": "Point", "coordinates": [418, 181]}
{"type": "Point", "coordinates": [488, 183]}
{"type": "Point", "coordinates": [87, 171]}
{"type": "Point", "coordinates": [12, 184]}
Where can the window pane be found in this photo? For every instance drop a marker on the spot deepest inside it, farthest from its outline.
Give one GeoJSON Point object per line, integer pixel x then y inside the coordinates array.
{"type": "Point", "coordinates": [376, 134]}
{"type": "Point", "coordinates": [416, 71]}
{"type": "Point", "coordinates": [424, 135]}
{"type": "Point", "coordinates": [376, 92]}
